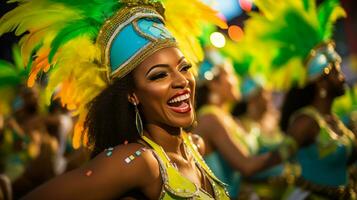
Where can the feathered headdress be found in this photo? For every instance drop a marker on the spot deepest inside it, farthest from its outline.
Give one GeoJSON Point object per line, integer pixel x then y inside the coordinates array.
{"type": "Point", "coordinates": [248, 62]}
{"type": "Point", "coordinates": [295, 34]}
{"type": "Point", "coordinates": [75, 39]}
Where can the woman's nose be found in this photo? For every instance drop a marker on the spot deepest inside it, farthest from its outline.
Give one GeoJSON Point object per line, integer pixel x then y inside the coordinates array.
{"type": "Point", "coordinates": [179, 80]}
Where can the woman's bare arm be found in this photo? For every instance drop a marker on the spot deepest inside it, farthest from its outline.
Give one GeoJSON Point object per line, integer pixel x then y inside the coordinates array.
{"type": "Point", "coordinates": [214, 131]}
{"type": "Point", "coordinates": [104, 177]}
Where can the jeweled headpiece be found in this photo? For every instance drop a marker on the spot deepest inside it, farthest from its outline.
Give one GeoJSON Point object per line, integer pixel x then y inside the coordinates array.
{"type": "Point", "coordinates": [130, 36]}
{"type": "Point", "coordinates": [209, 68]}
{"type": "Point", "coordinates": [296, 36]}
{"type": "Point", "coordinates": [321, 59]}
{"type": "Point", "coordinates": [85, 44]}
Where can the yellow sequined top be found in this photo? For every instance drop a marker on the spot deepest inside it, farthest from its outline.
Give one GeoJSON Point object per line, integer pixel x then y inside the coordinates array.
{"type": "Point", "coordinates": [176, 186]}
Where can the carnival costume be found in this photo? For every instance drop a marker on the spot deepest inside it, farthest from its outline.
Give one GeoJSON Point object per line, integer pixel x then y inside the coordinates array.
{"type": "Point", "coordinates": [86, 45]}
{"type": "Point", "coordinates": [270, 183]}
{"type": "Point", "coordinates": [297, 34]}
{"type": "Point", "coordinates": [177, 186]}
{"type": "Point", "coordinates": [208, 70]}
{"type": "Point", "coordinates": [247, 143]}
{"type": "Point", "coordinates": [215, 160]}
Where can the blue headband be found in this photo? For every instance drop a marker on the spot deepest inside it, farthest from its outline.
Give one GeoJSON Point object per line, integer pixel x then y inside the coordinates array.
{"type": "Point", "coordinates": [320, 59]}
{"type": "Point", "coordinates": [208, 69]}
{"type": "Point", "coordinates": [131, 36]}
{"type": "Point", "coordinates": [249, 86]}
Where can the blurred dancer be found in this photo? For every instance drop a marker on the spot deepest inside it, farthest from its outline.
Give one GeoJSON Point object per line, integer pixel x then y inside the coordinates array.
{"type": "Point", "coordinates": [308, 64]}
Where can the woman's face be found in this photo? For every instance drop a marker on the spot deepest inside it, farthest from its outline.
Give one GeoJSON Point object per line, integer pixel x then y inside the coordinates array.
{"type": "Point", "coordinates": [336, 80]}
{"type": "Point", "coordinates": [227, 84]}
{"type": "Point", "coordinates": [164, 87]}
{"type": "Point", "coordinates": [260, 100]}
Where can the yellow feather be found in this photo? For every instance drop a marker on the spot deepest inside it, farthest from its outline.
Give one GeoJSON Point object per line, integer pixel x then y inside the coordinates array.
{"type": "Point", "coordinates": [190, 14]}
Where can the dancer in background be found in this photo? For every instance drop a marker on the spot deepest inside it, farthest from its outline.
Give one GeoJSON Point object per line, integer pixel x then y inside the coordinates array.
{"type": "Point", "coordinates": [229, 149]}
{"type": "Point", "coordinates": [308, 65]}
{"type": "Point", "coordinates": [27, 150]}
{"type": "Point", "coordinates": [259, 117]}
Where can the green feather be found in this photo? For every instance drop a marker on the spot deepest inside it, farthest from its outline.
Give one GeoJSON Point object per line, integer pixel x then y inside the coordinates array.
{"type": "Point", "coordinates": [74, 29]}
{"type": "Point", "coordinates": [328, 12]}
{"type": "Point", "coordinates": [295, 37]}
{"type": "Point", "coordinates": [9, 74]}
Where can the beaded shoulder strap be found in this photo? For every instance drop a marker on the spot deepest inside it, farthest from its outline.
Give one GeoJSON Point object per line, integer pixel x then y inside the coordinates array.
{"type": "Point", "coordinates": [174, 182]}
{"type": "Point", "coordinates": [220, 193]}
{"type": "Point", "coordinates": [199, 158]}
{"type": "Point", "coordinates": [327, 139]}
{"type": "Point", "coordinates": [312, 112]}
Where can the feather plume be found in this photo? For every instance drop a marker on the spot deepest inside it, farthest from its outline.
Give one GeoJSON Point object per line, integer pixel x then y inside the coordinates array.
{"type": "Point", "coordinates": [185, 19]}
{"type": "Point", "coordinates": [290, 29]}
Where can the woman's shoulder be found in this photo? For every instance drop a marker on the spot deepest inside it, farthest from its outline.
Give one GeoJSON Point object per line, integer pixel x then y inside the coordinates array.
{"type": "Point", "coordinates": [304, 127]}
{"type": "Point", "coordinates": [132, 161]}
{"type": "Point", "coordinates": [208, 125]}
{"type": "Point", "coordinates": [107, 176]}
{"type": "Point", "coordinates": [130, 155]}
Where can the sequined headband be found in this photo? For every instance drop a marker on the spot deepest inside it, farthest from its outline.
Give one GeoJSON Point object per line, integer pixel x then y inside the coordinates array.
{"type": "Point", "coordinates": [129, 37]}
{"type": "Point", "coordinates": [320, 60]}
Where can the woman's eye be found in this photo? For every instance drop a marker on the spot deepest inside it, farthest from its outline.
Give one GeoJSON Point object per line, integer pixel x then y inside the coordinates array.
{"type": "Point", "coordinates": [186, 68]}
{"type": "Point", "coordinates": [158, 76]}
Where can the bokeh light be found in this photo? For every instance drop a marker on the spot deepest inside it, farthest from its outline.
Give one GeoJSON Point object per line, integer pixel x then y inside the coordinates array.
{"type": "Point", "coordinates": [235, 33]}
{"type": "Point", "coordinates": [246, 5]}
{"type": "Point", "coordinates": [217, 39]}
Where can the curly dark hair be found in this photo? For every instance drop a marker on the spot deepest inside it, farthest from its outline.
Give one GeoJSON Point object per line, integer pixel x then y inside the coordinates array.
{"type": "Point", "coordinates": [202, 94]}
{"type": "Point", "coordinates": [240, 108]}
{"type": "Point", "coordinates": [295, 99]}
{"type": "Point", "coordinates": [111, 118]}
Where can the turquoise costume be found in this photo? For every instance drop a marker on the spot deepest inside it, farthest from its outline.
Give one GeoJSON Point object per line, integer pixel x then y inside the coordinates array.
{"type": "Point", "coordinates": [215, 160]}
{"type": "Point", "coordinates": [298, 36]}
{"type": "Point", "coordinates": [269, 183]}
{"type": "Point", "coordinates": [15, 153]}
{"type": "Point", "coordinates": [324, 164]}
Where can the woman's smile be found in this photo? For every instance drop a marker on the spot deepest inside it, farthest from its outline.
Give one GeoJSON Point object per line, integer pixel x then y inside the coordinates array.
{"type": "Point", "coordinates": [180, 102]}
{"type": "Point", "coordinates": [165, 88]}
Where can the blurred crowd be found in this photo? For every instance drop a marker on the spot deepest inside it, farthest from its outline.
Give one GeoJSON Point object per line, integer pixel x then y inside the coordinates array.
{"type": "Point", "coordinates": [35, 143]}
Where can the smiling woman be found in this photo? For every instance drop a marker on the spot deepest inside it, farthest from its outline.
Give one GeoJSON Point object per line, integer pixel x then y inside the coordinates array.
{"type": "Point", "coordinates": [167, 90]}
{"type": "Point", "coordinates": [119, 65]}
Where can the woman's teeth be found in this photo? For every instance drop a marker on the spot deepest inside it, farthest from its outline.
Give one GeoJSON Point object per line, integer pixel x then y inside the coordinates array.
{"type": "Point", "coordinates": [180, 98]}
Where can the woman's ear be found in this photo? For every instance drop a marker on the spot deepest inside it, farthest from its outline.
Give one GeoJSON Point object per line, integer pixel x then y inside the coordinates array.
{"type": "Point", "coordinates": [212, 85]}
{"type": "Point", "coordinates": [133, 99]}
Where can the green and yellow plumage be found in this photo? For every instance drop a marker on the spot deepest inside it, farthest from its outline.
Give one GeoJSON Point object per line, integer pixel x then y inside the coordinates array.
{"type": "Point", "coordinates": [59, 37]}
{"type": "Point", "coordinates": [288, 30]}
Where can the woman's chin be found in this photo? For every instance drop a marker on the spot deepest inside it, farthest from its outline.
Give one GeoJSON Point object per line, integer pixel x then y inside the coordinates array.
{"type": "Point", "coordinates": [182, 122]}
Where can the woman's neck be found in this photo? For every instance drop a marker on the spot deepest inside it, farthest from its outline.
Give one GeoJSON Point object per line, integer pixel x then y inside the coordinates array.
{"type": "Point", "coordinates": [169, 138]}
{"type": "Point", "coordinates": [225, 106]}
{"type": "Point", "coordinates": [323, 105]}
{"type": "Point", "coordinates": [254, 114]}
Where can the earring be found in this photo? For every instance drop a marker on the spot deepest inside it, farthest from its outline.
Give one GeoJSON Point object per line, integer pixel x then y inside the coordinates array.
{"type": "Point", "coordinates": [323, 93]}
{"type": "Point", "coordinates": [138, 122]}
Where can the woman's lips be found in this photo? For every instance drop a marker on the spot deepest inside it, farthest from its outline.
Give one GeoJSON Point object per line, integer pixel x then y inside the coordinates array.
{"type": "Point", "coordinates": [184, 107]}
